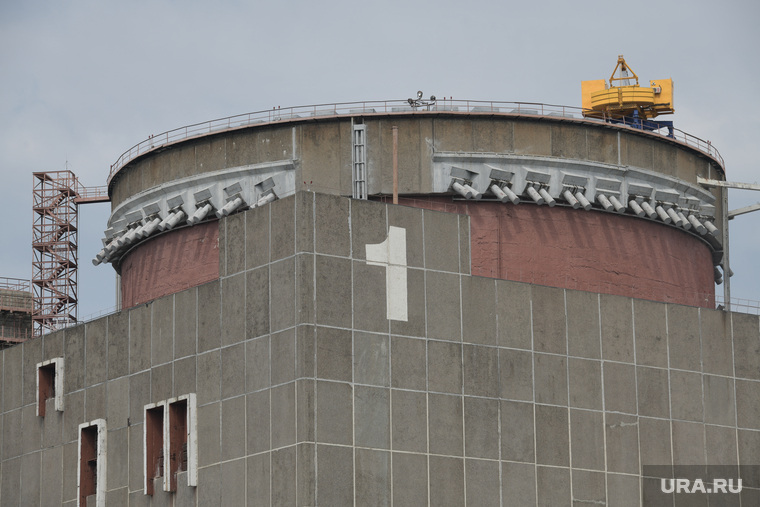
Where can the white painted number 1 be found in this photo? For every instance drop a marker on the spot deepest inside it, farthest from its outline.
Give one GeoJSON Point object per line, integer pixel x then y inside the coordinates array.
{"type": "Point", "coordinates": [391, 254]}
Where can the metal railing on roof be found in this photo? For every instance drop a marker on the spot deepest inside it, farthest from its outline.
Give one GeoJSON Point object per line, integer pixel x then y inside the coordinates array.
{"type": "Point", "coordinates": [19, 284]}
{"type": "Point", "coordinates": [739, 305]}
{"type": "Point", "coordinates": [382, 107]}
{"type": "Point", "coordinates": [16, 295]}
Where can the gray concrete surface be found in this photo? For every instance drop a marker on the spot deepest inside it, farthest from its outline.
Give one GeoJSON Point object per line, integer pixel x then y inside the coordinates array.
{"type": "Point", "coordinates": [321, 149]}
{"type": "Point", "coordinates": [492, 393]}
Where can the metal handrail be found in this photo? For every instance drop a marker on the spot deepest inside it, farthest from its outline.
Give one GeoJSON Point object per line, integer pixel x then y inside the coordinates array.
{"type": "Point", "coordinates": [15, 334]}
{"type": "Point", "coordinates": [739, 305]}
{"type": "Point", "coordinates": [20, 284]}
{"type": "Point", "coordinates": [379, 107]}
{"type": "Point", "coordinates": [91, 192]}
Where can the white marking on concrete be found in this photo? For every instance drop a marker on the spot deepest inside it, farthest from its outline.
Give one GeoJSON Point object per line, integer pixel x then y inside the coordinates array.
{"type": "Point", "coordinates": [391, 254]}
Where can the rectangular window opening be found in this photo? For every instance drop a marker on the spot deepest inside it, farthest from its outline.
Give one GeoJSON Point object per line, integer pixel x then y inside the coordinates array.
{"type": "Point", "coordinates": [46, 384]}
{"type": "Point", "coordinates": [171, 443]}
{"type": "Point", "coordinates": [49, 384]}
{"type": "Point", "coordinates": [91, 472]}
{"type": "Point", "coordinates": [177, 440]}
{"type": "Point", "coordinates": [154, 446]}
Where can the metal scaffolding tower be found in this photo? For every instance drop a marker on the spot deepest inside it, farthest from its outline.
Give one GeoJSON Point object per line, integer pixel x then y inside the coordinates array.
{"type": "Point", "coordinates": [54, 244]}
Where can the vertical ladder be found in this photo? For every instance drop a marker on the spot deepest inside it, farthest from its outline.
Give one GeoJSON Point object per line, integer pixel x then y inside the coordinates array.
{"type": "Point", "coordinates": [359, 173]}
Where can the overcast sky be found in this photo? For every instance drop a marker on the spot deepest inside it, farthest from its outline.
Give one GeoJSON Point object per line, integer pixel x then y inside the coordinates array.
{"type": "Point", "coordinates": [82, 81]}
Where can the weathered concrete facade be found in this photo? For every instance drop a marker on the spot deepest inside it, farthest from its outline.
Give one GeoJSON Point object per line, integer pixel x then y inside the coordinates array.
{"type": "Point", "coordinates": [323, 150]}
{"type": "Point", "coordinates": [617, 252]}
{"type": "Point", "coordinates": [492, 392]}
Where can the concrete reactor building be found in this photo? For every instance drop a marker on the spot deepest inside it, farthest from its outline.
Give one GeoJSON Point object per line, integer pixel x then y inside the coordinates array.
{"type": "Point", "coordinates": [427, 302]}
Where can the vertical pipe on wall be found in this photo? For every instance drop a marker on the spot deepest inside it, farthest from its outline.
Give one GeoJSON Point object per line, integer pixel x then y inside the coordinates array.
{"type": "Point", "coordinates": [395, 164]}
{"type": "Point", "coordinates": [726, 261]}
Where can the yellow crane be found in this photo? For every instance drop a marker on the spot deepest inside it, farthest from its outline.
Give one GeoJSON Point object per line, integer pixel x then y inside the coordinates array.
{"type": "Point", "coordinates": [623, 100]}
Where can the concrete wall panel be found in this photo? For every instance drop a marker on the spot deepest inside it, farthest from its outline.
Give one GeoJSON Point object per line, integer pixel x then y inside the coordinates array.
{"type": "Point", "coordinates": [12, 427]}
{"type": "Point", "coordinates": [372, 417]}
{"type": "Point", "coordinates": [335, 475]}
{"type": "Point", "coordinates": [602, 146]}
{"type": "Point", "coordinates": [589, 486]}
{"type": "Point", "coordinates": [720, 445]}
{"type": "Point", "coordinates": [320, 150]}
{"type": "Point", "coordinates": [617, 328]}
{"type": "Point", "coordinates": [162, 331]}
{"type": "Point", "coordinates": [552, 485]}
{"type": "Point", "coordinates": [684, 339]}
{"type": "Point", "coordinates": [516, 374]}
{"type": "Point", "coordinates": [541, 381]}
{"type": "Point", "coordinates": [368, 226]}
{"type": "Point", "coordinates": [372, 359]}
{"type": "Point", "coordinates": [139, 338]}
{"type": "Point", "coordinates": [30, 479]}
{"type": "Point", "coordinates": [519, 481]}
{"type": "Point", "coordinates": [637, 152]}
{"type": "Point", "coordinates": [550, 379]}
{"type": "Point", "coordinates": [453, 134]}
{"type": "Point", "coordinates": [235, 244]}
{"type": "Point", "coordinates": [569, 141]}
{"type": "Point", "coordinates": [717, 357]}
{"type": "Point", "coordinates": [652, 391]}
{"type": "Point", "coordinates": [96, 351]}
{"type": "Point", "coordinates": [746, 346]}
{"type": "Point", "coordinates": [549, 327]}
{"type": "Point", "coordinates": [583, 334]}
{"type": "Point", "coordinates": [233, 370]}
{"type": "Point", "coordinates": [654, 435]}
{"type": "Point", "coordinates": [186, 319]}
{"type": "Point", "coordinates": [373, 478]}
{"type": "Point", "coordinates": [480, 370]}
{"type": "Point", "coordinates": [587, 444]}
{"type": "Point", "coordinates": [665, 160]}
{"type": "Point", "coordinates": [622, 443]}
{"type": "Point", "coordinates": [719, 400]}
{"type": "Point", "coordinates": [233, 309]}
{"type": "Point", "coordinates": [619, 387]}
{"type": "Point", "coordinates": [532, 138]}
{"type": "Point", "coordinates": [514, 315]}
{"type": "Point", "coordinates": [410, 479]}
{"type": "Point", "coordinates": [181, 163]}
{"type": "Point", "coordinates": [442, 292]}
{"type": "Point", "coordinates": [410, 423]}
{"type": "Point", "coordinates": [442, 246]}
{"type": "Point", "coordinates": [585, 383]}
{"type": "Point", "coordinates": [210, 154]}
{"type": "Point", "coordinates": [686, 396]}
{"type": "Point", "coordinates": [684, 436]}
{"type": "Point", "coordinates": [481, 427]}
{"type": "Point", "coordinates": [492, 136]}
{"type": "Point", "coordinates": [118, 346]}
{"type": "Point", "coordinates": [651, 333]}
{"type": "Point", "coordinates": [445, 436]}
{"type": "Point", "coordinates": [479, 310]}
{"type": "Point", "coordinates": [259, 479]}
{"type": "Point", "coordinates": [32, 356]}
{"type": "Point", "coordinates": [331, 225]}
{"type": "Point", "coordinates": [334, 354]}
{"type": "Point", "coordinates": [552, 438]}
